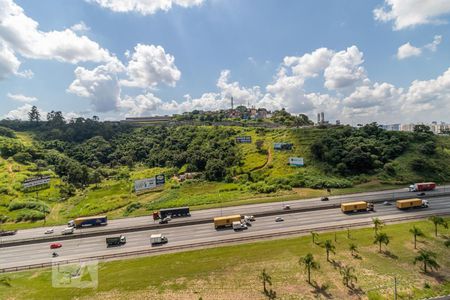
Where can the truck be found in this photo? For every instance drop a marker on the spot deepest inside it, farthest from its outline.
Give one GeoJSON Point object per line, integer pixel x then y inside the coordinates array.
{"type": "Point", "coordinates": [116, 241]}
{"type": "Point", "coordinates": [356, 206]}
{"type": "Point", "coordinates": [238, 225]}
{"type": "Point", "coordinates": [422, 187]}
{"type": "Point", "coordinates": [156, 239]}
{"type": "Point", "coordinates": [412, 203]}
{"type": "Point", "coordinates": [68, 230]}
{"type": "Point", "coordinates": [7, 232]}
{"type": "Point", "coordinates": [88, 221]}
{"type": "Point", "coordinates": [175, 212]}
{"type": "Point", "coordinates": [227, 221]}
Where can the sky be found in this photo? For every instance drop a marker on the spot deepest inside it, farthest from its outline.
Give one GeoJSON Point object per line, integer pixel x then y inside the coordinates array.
{"type": "Point", "coordinates": [357, 61]}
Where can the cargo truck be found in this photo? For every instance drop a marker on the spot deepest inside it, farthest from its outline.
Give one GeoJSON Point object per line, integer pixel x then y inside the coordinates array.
{"type": "Point", "coordinates": [175, 212]}
{"type": "Point", "coordinates": [68, 230]}
{"type": "Point", "coordinates": [227, 221]}
{"type": "Point", "coordinates": [7, 232]}
{"type": "Point", "coordinates": [411, 203]}
{"type": "Point", "coordinates": [422, 186]}
{"type": "Point", "coordinates": [116, 241]}
{"type": "Point", "coordinates": [356, 206]}
{"type": "Point", "coordinates": [156, 239]}
{"type": "Point", "coordinates": [88, 221]}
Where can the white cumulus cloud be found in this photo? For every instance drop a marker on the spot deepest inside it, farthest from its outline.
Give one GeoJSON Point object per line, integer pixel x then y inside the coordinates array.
{"type": "Point", "coordinates": [21, 113]}
{"type": "Point", "coordinates": [80, 27]}
{"type": "Point", "coordinates": [22, 35]}
{"type": "Point", "coordinates": [407, 50]}
{"type": "Point", "coordinates": [21, 97]}
{"type": "Point", "coordinates": [150, 65]}
{"type": "Point", "coordinates": [410, 13]}
{"type": "Point", "coordinates": [144, 7]}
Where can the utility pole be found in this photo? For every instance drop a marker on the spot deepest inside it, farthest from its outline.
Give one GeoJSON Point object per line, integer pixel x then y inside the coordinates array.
{"type": "Point", "coordinates": [395, 288]}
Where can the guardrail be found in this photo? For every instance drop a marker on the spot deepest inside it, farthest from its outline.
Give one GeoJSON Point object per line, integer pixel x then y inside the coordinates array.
{"type": "Point", "coordinates": [381, 198]}
{"type": "Point", "coordinates": [233, 240]}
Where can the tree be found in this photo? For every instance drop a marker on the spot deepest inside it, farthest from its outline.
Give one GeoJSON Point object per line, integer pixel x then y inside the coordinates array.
{"type": "Point", "coordinates": [377, 224]}
{"type": "Point", "coordinates": [259, 144]}
{"type": "Point", "coordinates": [215, 170]}
{"type": "Point", "coordinates": [267, 281]}
{"type": "Point", "coordinates": [447, 243]}
{"type": "Point", "coordinates": [438, 221]}
{"type": "Point", "coordinates": [55, 119]}
{"type": "Point", "coordinates": [428, 259]}
{"type": "Point", "coordinates": [416, 232]}
{"type": "Point", "coordinates": [34, 115]}
{"type": "Point", "coordinates": [353, 248]}
{"type": "Point", "coordinates": [381, 238]}
{"type": "Point", "coordinates": [329, 247]}
{"type": "Point", "coordinates": [310, 264]}
{"type": "Point", "coordinates": [348, 275]}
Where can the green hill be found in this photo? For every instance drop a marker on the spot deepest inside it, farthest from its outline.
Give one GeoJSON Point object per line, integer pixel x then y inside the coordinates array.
{"type": "Point", "coordinates": [93, 166]}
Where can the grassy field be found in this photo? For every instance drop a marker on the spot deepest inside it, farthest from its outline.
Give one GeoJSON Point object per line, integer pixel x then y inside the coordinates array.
{"type": "Point", "coordinates": [232, 272]}
{"type": "Point", "coordinates": [114, 196]}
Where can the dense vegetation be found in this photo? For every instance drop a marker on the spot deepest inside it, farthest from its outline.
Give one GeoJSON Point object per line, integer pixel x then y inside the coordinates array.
{"type": "Point", "coordinates": [94, 164]}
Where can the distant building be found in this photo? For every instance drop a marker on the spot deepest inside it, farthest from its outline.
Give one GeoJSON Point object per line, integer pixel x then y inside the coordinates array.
{"type": "Point", "coordinates": [391, 127]}
{"type": "Point", "coordinates": [407, 127]}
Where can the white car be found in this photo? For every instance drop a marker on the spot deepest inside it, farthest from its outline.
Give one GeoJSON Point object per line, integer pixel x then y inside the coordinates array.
{"type": "Point", "coordinates": [49, 231]}
{"type": "Point", "coordinates": [279, 219]}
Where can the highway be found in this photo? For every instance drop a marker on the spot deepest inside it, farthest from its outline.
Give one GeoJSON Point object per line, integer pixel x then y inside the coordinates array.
{"type": "Point", "coordinates": [252, 209]}
{"type": "Point", "coordinates": [184, 235]}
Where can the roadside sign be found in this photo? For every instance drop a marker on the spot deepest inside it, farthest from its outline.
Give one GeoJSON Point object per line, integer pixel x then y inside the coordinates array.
{"type": "Point", "coordinates": [243, 139]}
{"type": "Point", "coordinates": [296, 161]}
{"type": "Point", "coordinates": [36, 181]}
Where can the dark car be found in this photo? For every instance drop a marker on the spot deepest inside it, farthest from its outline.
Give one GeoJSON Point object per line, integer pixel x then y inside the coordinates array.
{"type": "Point", "coordinates": [421, 194]}
{"type": "Point", "coordinates": [324, 199]}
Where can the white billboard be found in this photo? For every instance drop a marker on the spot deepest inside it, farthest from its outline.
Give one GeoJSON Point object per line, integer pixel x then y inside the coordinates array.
{"type": "Point", "coordinates": [149, 183]}
{"type": "Point", "coordinates": [36, 181]}
{"type": "Point", "coordinates": [296, 161]}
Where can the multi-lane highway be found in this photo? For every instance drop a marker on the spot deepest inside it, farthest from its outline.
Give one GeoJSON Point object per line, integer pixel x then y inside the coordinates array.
{"type": "Point", "coordinates": [185, 235]}
{"type": "Point", "coordinates": [211, 213]}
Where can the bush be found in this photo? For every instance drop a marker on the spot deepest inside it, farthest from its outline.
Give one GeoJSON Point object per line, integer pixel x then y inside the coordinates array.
{"type": "Point", "coordinates": [31, 204]}
{"type": "Point", "coordinates": [22, 157]}
{"type": "Point", "coordinates": [7, 132]}
{"type": "Point", "coordinates": [132, 207]}
{"type": "Point", "coordinates": [32, 215]}
{"type": "Point", "coordinates": [262, 187]}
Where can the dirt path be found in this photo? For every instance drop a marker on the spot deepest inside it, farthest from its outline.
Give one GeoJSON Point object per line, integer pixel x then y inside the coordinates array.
{"type": "Point", "coordinates": [268, 161]}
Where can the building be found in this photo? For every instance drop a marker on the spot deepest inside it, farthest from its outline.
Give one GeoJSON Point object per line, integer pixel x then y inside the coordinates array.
{"type": "Point", "coordinates": [391, 127]}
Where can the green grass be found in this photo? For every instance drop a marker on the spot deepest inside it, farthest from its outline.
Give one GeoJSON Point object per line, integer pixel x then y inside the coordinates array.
{"type": "Point", "coordinates": [232, 272]}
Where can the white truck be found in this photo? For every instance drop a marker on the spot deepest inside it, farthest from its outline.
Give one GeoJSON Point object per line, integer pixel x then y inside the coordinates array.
{"type": "Point", "coordinates": [156, 239]}
{"type": "Point", "coordinates": [237, 225]}
{"type": "Point", "coordinates": [68, 230]}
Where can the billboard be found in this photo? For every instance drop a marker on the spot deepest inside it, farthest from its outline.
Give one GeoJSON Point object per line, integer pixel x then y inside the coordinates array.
{"type": "Point", "coordinates": [243, 139]}
{"type": "Point", "coordinates": [282, 146]}
{"type": "Point", "coordinates": [36, 181]}
{"type": "Point", "coordinates": [296, 161]}
{"type": "Point", "coordinates": [149, 183]}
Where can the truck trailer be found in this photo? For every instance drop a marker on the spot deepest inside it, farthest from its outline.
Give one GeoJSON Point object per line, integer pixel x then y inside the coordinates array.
{"type": "Point", "coordinates": [156, 239]}
{"type": "Point", "coordinates": [411, 203]}
{"type": "Point", "coordinates": [356, 206]}
{"type": "Point", "coordinates": [116, 241]}
{"type": "Point", "coordinates": [422, 187]}
{"type": "Point", "coordinates": [175, 212]}
{"type": "Point", "coordinates": [227, 221]}
{"type": "Point", "coordinates": [88, 221]}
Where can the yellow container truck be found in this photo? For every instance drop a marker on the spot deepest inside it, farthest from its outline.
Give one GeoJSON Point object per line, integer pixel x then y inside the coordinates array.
{"type": "Point", "coordinates": [356, 206]}
{"type": "Point", "coordinates": [227, 221]}
{"type": "Point", "coordinates": [411, 203]}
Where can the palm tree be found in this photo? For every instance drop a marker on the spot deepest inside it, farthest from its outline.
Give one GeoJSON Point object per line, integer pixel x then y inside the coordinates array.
{"type": "Point", "coordinates": [416, 232]}
{"type": "Point", "coordinates": [381, 238]}
{"type": "Point", "coordinates": [309, 263]}
{"type": "Point", "coordinates": [329, 247]}
{"type": "Point", "coordinates": [428, 258]}
{"type": "Point", "coordinates": [377, 224]}
{"type": "Point", "coordinates": [348, 275]}
{"type": "Point", "coordinates": [353, 248]}
{"type": "Point", "coordinates": [438, 221]}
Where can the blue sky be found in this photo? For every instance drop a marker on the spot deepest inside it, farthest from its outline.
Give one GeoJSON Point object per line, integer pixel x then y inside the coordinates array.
{"type": "Point", "coordinates": [359, 61]}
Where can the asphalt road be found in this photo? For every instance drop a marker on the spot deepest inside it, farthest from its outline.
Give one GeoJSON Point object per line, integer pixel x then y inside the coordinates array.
{"type": "Point", "coordinates": [184, 235]}
{"type": "Point", "coordinates": [211, 213]}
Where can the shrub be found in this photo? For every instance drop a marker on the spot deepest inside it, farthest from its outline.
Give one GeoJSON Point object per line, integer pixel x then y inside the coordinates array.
{"type": "Point", "coordinates": [31, 204]}
{"type": "Point", "coordinates": [132, 207]}
{"type": "Point", "coordinates": [31, 215]}
{"type": "Point", "coordinates": [22, 157]}
{"type": "Point", "coordinates": [7, 132]}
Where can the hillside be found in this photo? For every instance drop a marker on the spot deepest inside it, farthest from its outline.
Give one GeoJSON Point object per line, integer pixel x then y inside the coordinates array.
{"type": "Point", "coordinates": [93, 167]}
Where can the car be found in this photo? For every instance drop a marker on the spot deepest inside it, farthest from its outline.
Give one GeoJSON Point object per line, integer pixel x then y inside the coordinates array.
{"type": "Point", "coordinates": [324, 199]}
{"type": "Point", "coordinates": [165, 220]}
{"type": "Point", "coordinates": [421, 194]}
{"type": "Point", "coordinates": [55, 245]}
{"type": "Point", "coordinates": [279, 219]}
{"type": "Point", "coordinates": [250, 218]}
{"type": "Point", "coordinates": [49, 231]}
{"type": "Point", "coordinates": [286, 207]}
{"type": "Point", "coordinates": [387, 203]}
